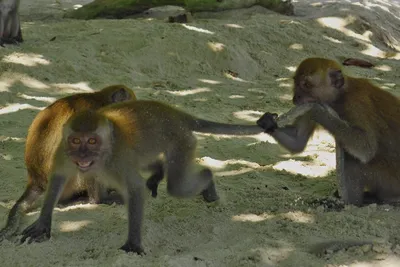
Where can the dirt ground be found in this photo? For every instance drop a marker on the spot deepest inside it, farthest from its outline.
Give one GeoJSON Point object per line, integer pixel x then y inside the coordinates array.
{"type": "Point", "coordinates": [274, 206]}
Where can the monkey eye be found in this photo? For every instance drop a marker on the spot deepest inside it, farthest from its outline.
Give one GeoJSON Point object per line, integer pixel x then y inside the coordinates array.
{"type": "Point", "coordinates": [92, 141]}
{"type": "Point", "coordinates": [76, 141]}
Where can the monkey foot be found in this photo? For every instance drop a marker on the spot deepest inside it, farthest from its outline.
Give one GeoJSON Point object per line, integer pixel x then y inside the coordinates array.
{"type": "Point", "coordinates": [210, 193]}
{"type": "Point", "coordinates": [153, 187]}
{"type": "Point", "coordinates": [128, 247]}
{"type": "Point", "coordinates": [36, 232]}
{"type": "Point", "coordinates": [268, 122]}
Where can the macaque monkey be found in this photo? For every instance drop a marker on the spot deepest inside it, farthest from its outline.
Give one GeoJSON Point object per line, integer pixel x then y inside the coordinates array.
{"type": "Point", "coordinates": [10, 28]}
{"type": "Point", "coordinates": [44, 135]}
{"type": "Point", "coordinates": [114, 143]}
{"type": "Point", "coordinates": [364, 121]}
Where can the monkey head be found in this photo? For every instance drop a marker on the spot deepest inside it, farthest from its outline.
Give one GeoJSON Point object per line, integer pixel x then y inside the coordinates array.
{"type": "Point", "coordinates": [87, 140]}
{"type": "Point", "coordinates": [318, 80]}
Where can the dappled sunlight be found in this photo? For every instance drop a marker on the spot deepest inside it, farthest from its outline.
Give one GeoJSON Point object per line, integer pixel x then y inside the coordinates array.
{"type": "Point", "coordinates": [299, 217]}
{"type": "Point", "coordinates": [86, 206]}
{"type": "Point", "coordinates": [38, 98]}
{"type": "Point", "coordinates": [237, 26]}
{"type": "Point", "coordinates": [221, 164]}
{"type": "Point", "coordinates": [286, 97]}
{"type": "Point", "coordinates": [5, 84]}
{"type": "Point", "coordinates": [31, 82]}
{"type": "Point", "coordinates": [10, 108]}
{"type": "Point", "coordinates": [189, 91]}
{"type": "Point", "coordinates": [296, 47]}
{"type": "Point", "coordinates": [72, 226]}
{"type": "Point", "coordinates": [30, 59]}
{"type": "Point", "coordinates": [230, 76]}
{"type": "Point", "coordinates": [272, 256]}
{"type": "Point", "coordinates": [192, 28]}
{"type": "Point", "coordinates": [209, 81]}
{"type": "Point", "coordinates": [383, 68]}
{"type": "Point", "coordinates": [373, 51]}
{"type": "Point", "coordinates": [287, 85]}
{"type": "Point", "coordinates": [216, 47]}
{"type": "Point", "coordinates": [291, 68]}
{"type": "Point", "coordinates": [72, 88]}
{"type": "Point", "coordinates": [388, 261]}
{"type": "Point", "coordinates": [320, 151]}
{"type": "Point", "coordinates": [252, 217]}
{"type": "Point", "coordinates": [6, 156]}
{"type": "Point", "coordinates": [14, 139]}
{"type": "Point", "coordinates": [236, 96]}
{"type": "Point", "coordinates": [248, 115]}
{"type": "Point", "coordinates": [248, 166]}
{"type": "Point", "coordinates": [388, 86]}
{"type": "Point", "coordinates": [200, 99]}
{"type": "Point", "coordinates": [333, 40]}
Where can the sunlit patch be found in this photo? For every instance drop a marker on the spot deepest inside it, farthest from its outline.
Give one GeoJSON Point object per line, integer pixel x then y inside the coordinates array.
{"type": "Point", "coordinates": [32, 83]}
{"type": "Point", "coordinates": [237, 26]}
{"type": "Point", "coordinates": [390, 84]}
{"type": "Point", "coordinates": [333, 40]}
{"type": "Point", "coordinates": [200, 99]}
{"type": "Point", "coordinates": [192, 28]}
{"type": "Point", "coordinates": [383, 68]}
{"type": "Point", "coordinates": [340, 24]}
{"type": "Point", "coordinates": [71, 88]}
{"type": "Point", "coordinates": [298, 216]}
{"type": "Point", "coordinates": [388, 261]}
{"type": "Point", "coordinates": [71, 226]}
{"type": "Point", "coordinates": [77, 6]}
{"type": "Point", "coordinates": [14, 139]}
{"type": "Point", "coordinates": [288, 85]}
{"type": "Point", "coordinates": [282, 79]}
{"type": "Point", "coordinates": [26, 59]}
{"type": "Point", "coordinates": [190, 91]}
{"type": "Point", "coordinates": [6, 156]}
{"type": "Point", "coordinates": [236, 96]}
{"type": "Point", "coordinates": [248, 115]}
{"type": "Point", "coordinates": [373, 51]}
{"type": "Point", "coordinates": [296, 46]}
{"type": "Point", "coordinates": [220, 164]}
{"type": "Point", "coordinates": [230, 76]}
{"type": "Point", "coordinates": [240, 171]}
{"type": "Point", "coordinates": [252, 217]}
{"type": "Point", "coordinates": [209, 81]}
{"type": "Point", "coordinates": [5, 84]}
{"type": "Point", "coordinates": [216, 47]}
{"type": "Point", "coordinates": [38, 98]}
{"type": "Point", "coordinates": [316, 4]}
{"type": "Point", "coordinates": [286, 97]}
{"type": "Point", "coordinates": [271, 256]}
{"type": "Point", "coordinates": [16, 107]}
{"type": "Point", "coordinates": [291, 68]}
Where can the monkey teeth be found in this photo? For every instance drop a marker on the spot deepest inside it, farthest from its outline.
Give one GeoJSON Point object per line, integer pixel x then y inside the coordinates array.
{"type": "Point", "coordinates": [84, 164]}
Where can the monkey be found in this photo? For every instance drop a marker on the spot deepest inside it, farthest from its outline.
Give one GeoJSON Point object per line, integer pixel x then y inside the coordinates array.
{"type": "Point", "coordinates": [44, 134]}
{"type": "Point", "coordinates": [362, 118]}
{"type": "Point", "coordinates": [114, 143]}
{"type": "Point", "coordinates": [10, 28]}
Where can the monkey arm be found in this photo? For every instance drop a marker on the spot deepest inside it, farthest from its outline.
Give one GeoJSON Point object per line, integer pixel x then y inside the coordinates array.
{"type": "Point", "coordinates": [295, 137]}
{"type": "Point", "coordinates": [40, 230]}
{"type": "Point", "coordinates": [359, 142]}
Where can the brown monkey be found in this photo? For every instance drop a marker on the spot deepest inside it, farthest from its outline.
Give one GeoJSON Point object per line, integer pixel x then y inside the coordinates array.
{"type": "Point", "coordinates": [10, 28]}
{"type": "Point", "coordinates": [44, 135]}
{"type": "Point", "coordinates": [114, 143]}
{"type": "Point", "coordinates": [364, 120]}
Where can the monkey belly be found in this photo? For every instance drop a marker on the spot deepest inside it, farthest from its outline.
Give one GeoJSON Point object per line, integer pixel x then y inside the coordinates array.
{"type": "Point", "coordinates": [76, 185]}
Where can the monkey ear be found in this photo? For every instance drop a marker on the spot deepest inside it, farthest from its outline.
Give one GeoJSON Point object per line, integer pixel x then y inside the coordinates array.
{"type": "Point", "coordinates": [337, 78]}
{"type": "Point", "coordinates": [120, 95]}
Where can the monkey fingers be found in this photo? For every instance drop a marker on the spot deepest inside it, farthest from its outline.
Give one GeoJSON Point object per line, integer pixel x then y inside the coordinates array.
{"type": "Point", "coordinates": [36, 232]}
{"type": "Point", "coordinates": [268, 122]}
{"type": "Point", "coordinates": [129, 247]}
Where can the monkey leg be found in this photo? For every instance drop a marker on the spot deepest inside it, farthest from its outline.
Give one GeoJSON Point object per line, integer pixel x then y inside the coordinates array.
{"type": "Point", "coordinates": [23, 204]}
{"type": "Point", "coordinates": [352, 176]}
{"type": "Point", "coordinates": [210, 193]}
{"type": "Point", "coordinates": [152, 183]}
{"type": "Point", "coordinates": [135, 204]}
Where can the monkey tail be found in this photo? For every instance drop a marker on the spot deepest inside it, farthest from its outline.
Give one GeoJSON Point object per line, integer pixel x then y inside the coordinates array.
{"type": "Point", "coordinates": [204, 126]}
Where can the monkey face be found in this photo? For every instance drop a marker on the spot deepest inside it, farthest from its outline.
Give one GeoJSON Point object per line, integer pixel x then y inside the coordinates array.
{"type": "Point", "coordinates": [84, 150]}
{"type": "Point", "coordinates": [321, 87]}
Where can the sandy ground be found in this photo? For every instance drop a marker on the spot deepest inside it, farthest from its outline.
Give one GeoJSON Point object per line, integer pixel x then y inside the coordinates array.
{"type": "Point", "coordinates": [271, 210]}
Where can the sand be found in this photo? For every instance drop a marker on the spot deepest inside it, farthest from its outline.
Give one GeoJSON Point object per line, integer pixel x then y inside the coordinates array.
{"type": "Point", "coordinates": [274, 206]}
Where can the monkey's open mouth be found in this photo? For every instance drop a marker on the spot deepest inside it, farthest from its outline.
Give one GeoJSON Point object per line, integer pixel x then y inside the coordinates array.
{"type": "Point", "coordinates": [84, 164]}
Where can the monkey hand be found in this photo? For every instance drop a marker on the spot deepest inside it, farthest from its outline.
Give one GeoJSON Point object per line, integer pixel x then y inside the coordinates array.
{"type": "Point", "coordinates": [268, 122]}
{"type": "Point", "coordinates": [36, 232]}
{"type": "Point", "coordinates": [130, 247]}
